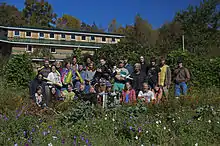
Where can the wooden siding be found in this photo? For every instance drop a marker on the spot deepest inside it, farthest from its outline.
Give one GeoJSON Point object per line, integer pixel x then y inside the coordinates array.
{"type": "Point", "coordinates": [10, 33]}
{"type": "Point", "coordinates": [35, 35]}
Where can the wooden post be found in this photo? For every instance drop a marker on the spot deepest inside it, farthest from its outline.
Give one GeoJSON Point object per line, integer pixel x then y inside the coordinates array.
{"type": "Point", "coordinates": [183, 41]}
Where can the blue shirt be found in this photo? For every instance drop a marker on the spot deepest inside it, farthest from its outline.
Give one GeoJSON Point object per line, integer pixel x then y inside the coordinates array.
{"type": "Point", "coordinates": [127, 98]}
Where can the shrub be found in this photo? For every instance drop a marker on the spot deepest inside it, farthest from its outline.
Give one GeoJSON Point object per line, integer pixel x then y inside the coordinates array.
{"type": "Point", "coordinates": [18, 71]}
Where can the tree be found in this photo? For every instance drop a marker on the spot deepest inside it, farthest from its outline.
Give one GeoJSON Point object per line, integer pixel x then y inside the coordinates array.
{"type": "Point", "coordinates": [38, 13]}
{"type": "Point", "coordinates": [112, 27]}
{"type": "Point", "coordinates": [95, 28]}
{"type": "Point", "coordinates": [144, 32]}
{"type": "Point", "coordinates": [10, 16]}
{"type": "Point", "coordinates": [68, 22]}
{"type": "Point", "coordinates": [200, 25]}
{"type": "Point", "coordinates": [85, 27]}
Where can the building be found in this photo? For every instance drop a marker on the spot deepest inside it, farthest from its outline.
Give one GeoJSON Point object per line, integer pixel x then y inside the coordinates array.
{"type": "Point", "coordinates": [60, 43]}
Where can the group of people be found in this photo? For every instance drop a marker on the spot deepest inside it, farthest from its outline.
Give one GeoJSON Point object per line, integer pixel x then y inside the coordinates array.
{"type": "Point", "coordinates": [147, 82]}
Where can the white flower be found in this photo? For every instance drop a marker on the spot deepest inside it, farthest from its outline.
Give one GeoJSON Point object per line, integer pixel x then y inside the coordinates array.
{"type": "Point", "coordinates": [157, 122]}
{"type": "Point", "coordinates": [178, 117]}
{"type": "Point", "coordinates": [50, 144]}
{"type": "Point", "coordinates": [136, 137]}
{"type": "Point", "coordinates": [157, 125]}
{"type": "Point", "coordinates": [142, 145]}
{"type": "Point", "coordinates": [168, 129]}
{"type": "Point", "coordinates": [196, 144]}
{"type": "Point", "coordinates": [218, 122]}
{"type": "Point", "coordinates": [113, 120]}
{"type": "Point", "coordinates": [146, 131]}
{"type": "Point", "coordinates": [106, 115]}
{"type": "Point", "coordinates": [105, 118]}
{"type": "Point", "coordinates": [174, 121]}
{"type": "Point", "coordinates": [86, 126]}
{"type": "Point", "coordinates": [54, 137]}
{"type": "Point", "coordinates": [209, 121]}
{"type": "Point", "coordinates": [164, 128]}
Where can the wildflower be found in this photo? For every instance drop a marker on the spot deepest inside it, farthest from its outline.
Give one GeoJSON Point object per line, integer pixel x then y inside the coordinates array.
{"type": "Point", "coordinates": [82, 138]}
{"type": "Point", "coordinates": [8, 139]}
{"type": "Point", "coordinates": [142, 145]}
{"type": "Point", "coordinates": [74, 137]}
{"type": "Point", "coordinates": [164, 128]}
{"type": "Point", "coordinates": [196, 144]}
{"type": "Point", "coordinates": [15, 144]}
{"type": "Point", "coordinates": [33, 130]}
{"type": "Point", "coordinates": [174, 121]}
{"type": "Point", "coordinates": [63, 141]}
{"type": "Point", "coordinates": [105, 118]}
{"type": "Point", "coordinates": [146, 132]}
{"type": "Point", "coordinates": [86, 126]}
{"type": "Point", "coordinates": [139, 130]}
{"type": "Point", "coordinates": [157, 125]}
{"type": "Point", "coordinates": [218, 122]}
{"type": "Point", "coordinates": [113, 120]}
{"type": "Point", "coordinates": [136, 137]}
{"type": "Point", "coordinates": [209, 121]}
{"type": "Point", "coordinates": [44, 133]}
{"type": "Point", "coordinates": [50, 127]}
{"type": "Point", "coordinates": [106, 115]}
{"type": "Point", "coordinates": [54, 137]}
{"type": "Point", "coordinates": [87, 141]}
{"type": "Point", "coordinates": [168, 129]}
{"type": "Point", "coordinates": [130, 117]}
{"type": "Point", "coordinates": [26, 144]}
{"type": "Point", "coordinates": [157, 122]}
{"type": "Point", "coordinates": [50, 144]}
{"type": "Point", "coordinates": [130, 127]}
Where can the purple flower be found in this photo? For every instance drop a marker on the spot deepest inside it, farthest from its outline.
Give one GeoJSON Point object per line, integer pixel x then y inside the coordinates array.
{"type": "Point", "coordinates": [26, 144]}
{"type": "Point", "coordinates": [44, 133]}
{"type": "Point", "coordinates": [15, 144]}
{"type": "Point", "coordinates": [82, 138]}
{"type": "Point", "coordinates": [63, 141]}
{"type": "Point", "coordinates": [130, 117]}
{"type": "Point", "coordinates": [0, 115]}
{"type": "Point", "coordinates": [139, 130]}
{"type": "Point", "coordinates": [50, 127]}
{"type": "Point", "coordinates": [58, 132]}
{"type": "Point", "coordinates": [87, 141]}
{"type": "Point", "coordinates": [130, 127]}
{"type": "Point", "coordinates": [74, 137]}
{"type": "Point", "coordinates": [33, 130]}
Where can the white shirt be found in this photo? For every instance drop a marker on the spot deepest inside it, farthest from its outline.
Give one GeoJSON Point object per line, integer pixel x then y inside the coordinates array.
{"type": "Point", "coordinates": [38, 99]}
{"type": "Point", "coordinates": [148, 95]}
{"type": "Point", "coordinates": [54, 77]}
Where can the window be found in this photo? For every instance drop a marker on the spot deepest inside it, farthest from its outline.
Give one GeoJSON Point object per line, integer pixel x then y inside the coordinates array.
{"type": "Point", "coordinates": [83, 37]}
{"type": "Point", "coordinates": [103, 39]}
{"type": "Point", "coordinates": [28, 34]}
{"type": "Point", "coordinates": [73, 36]}
{"type": "Point", "coordinates": [41, 35]}
{"type": "Point", "coordinates": [52, 35]}
{"type": "Point", "coordinates": [17, 33]}
{"type": "Point", "coordinates": [113, 39]}
{"type": "Point", "coordinates": [63, 36]}
{"type": "Point", "coordinates": [52, 50]}
{"type": "Point", "coordinates": [93, 38]}
{"type": "Point", "coordinates": [29, 48]}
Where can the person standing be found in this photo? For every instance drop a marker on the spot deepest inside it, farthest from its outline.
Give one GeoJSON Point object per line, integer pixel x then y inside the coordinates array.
{"type": "Point", "coordinates": [165, 77]}
{"type": "Point", "coordinates": [138, 78]}
{"type": "Point", "coordinates": [181, 77]}
{"type": "Point", "coordinates": [45, 69]}
{"type": "Point", "coordinates": [128, 66]}
{"type": "Point", "coordinates": [143, 64]}
{"type": "Point", "coordinates": [153, 73]}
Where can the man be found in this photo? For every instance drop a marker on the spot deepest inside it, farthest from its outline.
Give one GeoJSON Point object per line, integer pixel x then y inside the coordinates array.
{"type": "Point", "coordinates": [146, 94]}
{"type": "Point", "coordinates": [128, 66]}
{"type": "Point", "coordinates": [45, 69]}
{"type": "Point", "coordinates": [138, 78]}
{"type": "Point", "coordinates": [165, 76]}
{"type": "Point", "coordinates": [103, 70]}
{"type": "Point", "coordinates": [74, 64]}
{"type": "Point", "coordinates": [58, 66]}
{"type": "Point", "coordinates": [181, 77]}
{"type": "Point", "coordinates": [143, 65]}
{"type": "Point", "coordinates": [38, 81]}
{"type": "Point", "coordinates": [153, 73]}
{"type": "Point", "coordinates": [79, 79]}
{"type": "Point", "coordinates": [120, 77]}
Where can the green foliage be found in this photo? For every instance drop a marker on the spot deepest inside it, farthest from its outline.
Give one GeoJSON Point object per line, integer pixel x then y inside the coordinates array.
{"type": "Point", "coordinates": [38, 13]}
{"type": "Point", "coordinates": [42, 52]}
{"type": "Point", "coordinates": [204, 70]}
{"type": "Point", "coordinates": [68, 22]}
{"type": "Point", "coordinates": [10, 16]}
{"type": "Point", "coordinates": [18, 71]}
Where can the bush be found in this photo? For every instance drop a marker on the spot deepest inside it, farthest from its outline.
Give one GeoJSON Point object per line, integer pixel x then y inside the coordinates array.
{"type": "Point", "coordinates": [18, 71]}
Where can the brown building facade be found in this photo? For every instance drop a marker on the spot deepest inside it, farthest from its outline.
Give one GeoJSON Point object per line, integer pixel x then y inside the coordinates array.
{"type": "Point", "coordinates": [60, 43]}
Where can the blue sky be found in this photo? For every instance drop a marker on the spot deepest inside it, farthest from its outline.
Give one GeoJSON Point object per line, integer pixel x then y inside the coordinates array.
{"type": "Point", "coordinates": [102, 12]}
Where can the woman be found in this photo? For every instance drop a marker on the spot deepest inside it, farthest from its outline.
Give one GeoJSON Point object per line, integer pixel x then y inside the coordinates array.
{"type": "Point", "coordinates": [54, 79]}
{"type": "Point", "coordinates": [158, 93]}
{"type": "Point", "coordinates": [128, 94]}
{"type": "Point", "coordinates": [90, 72]}
{"type": "Point", "coordinates": [67, 75]}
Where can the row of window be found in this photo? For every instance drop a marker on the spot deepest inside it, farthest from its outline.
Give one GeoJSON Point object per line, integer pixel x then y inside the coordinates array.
{"type": "Point", "coordinates": [30, 49]}
{"type": "Point", "coordinates": [63, 36]}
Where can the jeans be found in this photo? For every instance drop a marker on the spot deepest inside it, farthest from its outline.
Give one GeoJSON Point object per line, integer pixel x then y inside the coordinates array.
{"type": "Point", "coordinates": [180, 86]}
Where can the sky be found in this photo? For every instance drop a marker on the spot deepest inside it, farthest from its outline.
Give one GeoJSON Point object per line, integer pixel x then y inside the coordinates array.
{"type": "Point", "coordinates": [156, 12]}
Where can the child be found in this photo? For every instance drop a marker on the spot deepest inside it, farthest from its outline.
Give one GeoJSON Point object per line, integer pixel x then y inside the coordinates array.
{"type": "Point", "coordinates": [157, 93]}
{"type": "Point", "coordinates": [39, 97]}
{"type": "Point", "coordinates": [128, 94]}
